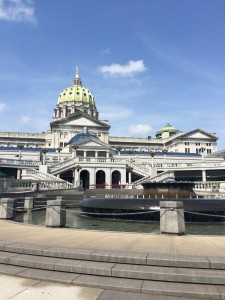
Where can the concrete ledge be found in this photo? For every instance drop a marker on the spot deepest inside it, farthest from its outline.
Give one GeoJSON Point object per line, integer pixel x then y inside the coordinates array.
{"type": "Point", "coordinates": [145, 272]}
{"type": "Point", "coordinates": [109, 283]}
{"type": "Point", "coordinates": [46, 275]}
{"type": "Point", "coordinates": [217, 262]}
{"type": "Point", "coordinates": [25, 248]}
{"type": "Point", "coordinates": [32, 261]}
{"type": "Point", "coordinates": [120, 257]}
{"type": "Point", "coordinates": [181, 289]}
{"type": "Point", "coordinates": [68, 253]}
{"type": "Point", "coordinates": [85, 267]}
{"type": "Point", "coordinates": [172, 260]}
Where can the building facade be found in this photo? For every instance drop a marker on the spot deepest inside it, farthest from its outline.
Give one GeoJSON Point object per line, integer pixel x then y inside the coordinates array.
{"type": "Point", "coordinates": [78, 146]}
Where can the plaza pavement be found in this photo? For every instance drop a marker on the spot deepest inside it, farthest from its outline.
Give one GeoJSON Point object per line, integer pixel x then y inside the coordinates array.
{"type": "Point", "coordinates": [20, 288]}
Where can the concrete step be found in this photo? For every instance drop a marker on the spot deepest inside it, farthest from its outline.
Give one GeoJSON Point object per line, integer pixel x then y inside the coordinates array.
{"type": "Point", "coordinates": [112, 269]}
{"type": "Point", "coordinates": [146, 287]}
{"type": "Point", "coordinates": [151, 259]}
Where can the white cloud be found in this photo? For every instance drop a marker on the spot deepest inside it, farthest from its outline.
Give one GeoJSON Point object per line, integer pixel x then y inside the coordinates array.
{"type": "Point", "coordinates": [17, 10]}
{"type": "Point", "coordinates": [139, 129]}
{"type": "Point", "coordinates": [129, 69]}
{"type": "Point", "coordinates": [25, 120]}
{"type": "Point", "coordinates": [2, 106]}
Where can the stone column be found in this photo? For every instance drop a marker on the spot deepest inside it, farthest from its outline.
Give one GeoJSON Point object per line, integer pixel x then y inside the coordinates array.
{"type": "Point", "coordinates": [55, 216]}
{"type": "Point", "coordinates": [172, 217]}
{"type": "Point", "coordinates": [74, 176]}
{"type": "Point", "coordinates": [129, 177]}
{"type": "Point", "coordinates": [7, 208]}
{"type": "Point", "coordinates": [29, 203]}
{"type": "Point", "coordinates": [18, 174]}
{"type": "Point", "coordinates": [203, 175]}
{"type": "Point", "coordinates": [108, 178]}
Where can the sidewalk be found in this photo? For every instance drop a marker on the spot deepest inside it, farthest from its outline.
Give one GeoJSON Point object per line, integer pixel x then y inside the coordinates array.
{"type": "Point", "coordinates": [12, 232]}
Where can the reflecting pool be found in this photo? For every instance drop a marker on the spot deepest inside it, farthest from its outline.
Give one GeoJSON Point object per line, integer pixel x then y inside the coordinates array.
{"type": "Point", "coordinates": [75, 219]}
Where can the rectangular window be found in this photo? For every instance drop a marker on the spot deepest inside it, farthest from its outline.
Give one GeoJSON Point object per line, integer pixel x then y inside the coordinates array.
{"type": "Point", "coordinates": [186, 143]}
{"type": "Point", "coordinates": [209, 151]}
{"type": "Point", "coordinates": [208, 144]}
{"type": "Point", "coordinates": [187, 150]}
{"type": "Point", "coordinates": [197, 144]}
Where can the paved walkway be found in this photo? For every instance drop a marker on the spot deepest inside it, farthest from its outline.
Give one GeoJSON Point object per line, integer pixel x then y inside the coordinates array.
{"type": "Point", "coordinates": [19, 288]}
{"type": "Point", "coordinates": [112, 241]}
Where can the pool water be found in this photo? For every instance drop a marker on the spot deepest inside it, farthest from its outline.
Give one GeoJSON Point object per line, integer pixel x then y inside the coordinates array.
{"type": "Point", "coordinates": [74, 219]}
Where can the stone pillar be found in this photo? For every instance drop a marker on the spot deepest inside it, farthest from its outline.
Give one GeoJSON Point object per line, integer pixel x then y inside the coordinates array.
{"type": "Point", "coordinates": [18, 174]}
{"type": "Point", "coordinates": [74, 176]}
{"type": "Point", "coordinates": [7, 208]}
{"type": "Point", "coordinates": [96, 154]}
{"type": "Point", "coordinates": [35, 186]}
{"type": "Point", "coordinates": [203, 175]}
{"type": "Point", "coordinates": [85, 153]}
{"type": "Point", "coordinates": [29, 203]}
{"type": "Point", "coordinates": [55, 216]}
{"type": "Point", "coordinates": [108, 178]}
{"type": "Point", "coordinates": [129, 177]}
{"type": "Point", "coordinates": [172, 217]}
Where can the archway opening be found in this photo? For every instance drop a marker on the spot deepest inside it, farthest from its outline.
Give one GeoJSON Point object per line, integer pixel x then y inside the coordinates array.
{"type": "Point", "coordinates": [116, 179]}
{"type": "Point", "coordinates": [85, 177]}
{"type": "Point", "coordinates": [68, 176]}
{"type": "Point", "coordinates": [100, 179]}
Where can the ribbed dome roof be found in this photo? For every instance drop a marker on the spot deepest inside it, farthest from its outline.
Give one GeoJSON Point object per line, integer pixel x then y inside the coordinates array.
{"type": "Point", "coordinates": [81, 136]}
{"type": "Point", "coordinates": [168, 128]}
{"type": "Point", "coordinates": [76, 93]}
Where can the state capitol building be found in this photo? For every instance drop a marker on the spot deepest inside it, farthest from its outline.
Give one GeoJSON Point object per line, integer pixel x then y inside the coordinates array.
{"type": "Point", "coordinates": [77, 148]}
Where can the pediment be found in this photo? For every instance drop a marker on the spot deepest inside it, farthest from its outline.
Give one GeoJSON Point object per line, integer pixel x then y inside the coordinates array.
{"type": "Point", "coordinates": [91, 143]}
{"type": "Point", "coordinates": [82, 122]}
{"type": "Point", "coordinates": [79, 119]}
{"type": "Point", "coordinates": [199, 134]}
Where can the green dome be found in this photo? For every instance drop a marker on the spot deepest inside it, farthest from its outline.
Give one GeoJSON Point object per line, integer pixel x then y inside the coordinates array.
{"type": "Point", "coordinates": [168, 128]}
{"type": "Point", "coordinates": [76, 93]}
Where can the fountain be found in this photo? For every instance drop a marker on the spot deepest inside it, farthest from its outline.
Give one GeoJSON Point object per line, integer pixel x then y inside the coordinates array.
{"type": "Point", "coordinates": [147, 208]}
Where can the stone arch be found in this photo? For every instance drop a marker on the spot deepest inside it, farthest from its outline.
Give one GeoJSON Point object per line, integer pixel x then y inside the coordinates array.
{"type": "Point", "coordinates": [100, 178]}
{"type": "Point", "coordinates": [85, 177]}
{"type": "Point", "coordinates": [116, 178]}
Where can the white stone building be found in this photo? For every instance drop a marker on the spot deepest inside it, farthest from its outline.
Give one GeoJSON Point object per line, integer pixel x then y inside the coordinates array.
{"type": "Point", "coordinates": [77, 145]}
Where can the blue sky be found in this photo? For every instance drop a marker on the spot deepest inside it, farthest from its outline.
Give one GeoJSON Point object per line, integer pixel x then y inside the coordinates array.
{"type": "Point", "coordinates": [147, 62]}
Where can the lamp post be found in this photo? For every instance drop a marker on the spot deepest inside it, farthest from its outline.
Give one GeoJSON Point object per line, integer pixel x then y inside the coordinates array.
{"type": "Point", "coordinates": [202, 150]}
{"type": "Point", "coordinates": [129, 152]}
{"type": "Point", "coordinates": [164, 151]}
{"type": "Point", "coordinates": [118, 148]}
{"type": "Point", "coordinates": [44, 151]}
{"type": "Point", "coordinates": [152, 154]}
{"type": "Point", "coordinates": [59, 149]}
{"type": "Point", "coordinates": [20, 146]}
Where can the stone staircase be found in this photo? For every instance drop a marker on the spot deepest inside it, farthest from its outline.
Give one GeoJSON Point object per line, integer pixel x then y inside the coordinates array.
{"type": "Point", "coordinates": [37, 175]}
{"type": "Point", "coordinates": [158, 178]}
{"type": "Point", "coordinates": [62, 166]}
{"type": "Point", "coordinates": [138, 169]}
{"type": "Point", "coordinates": [147, 273]}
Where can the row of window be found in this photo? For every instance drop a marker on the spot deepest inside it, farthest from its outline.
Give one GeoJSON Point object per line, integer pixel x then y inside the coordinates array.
{"type": "Point", "coordinates": [65, 134]}
{"type": "Point", "coordinates": [187, 150]}
{"type": "Point", "coordinates": [198, 144]}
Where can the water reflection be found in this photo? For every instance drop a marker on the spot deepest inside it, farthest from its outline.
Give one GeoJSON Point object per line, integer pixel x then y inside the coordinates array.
{"type": "Point", "coordinates": [74, 219]}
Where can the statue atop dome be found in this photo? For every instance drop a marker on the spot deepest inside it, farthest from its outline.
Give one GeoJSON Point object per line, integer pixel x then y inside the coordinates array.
{"type": "Point", "coordinates": [77, 80]}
